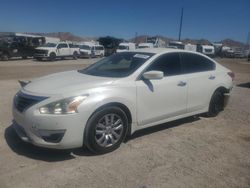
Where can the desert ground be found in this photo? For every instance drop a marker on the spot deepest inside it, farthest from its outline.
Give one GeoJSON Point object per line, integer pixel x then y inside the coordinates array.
{"type": "Point", "coordinates": [192, 152]}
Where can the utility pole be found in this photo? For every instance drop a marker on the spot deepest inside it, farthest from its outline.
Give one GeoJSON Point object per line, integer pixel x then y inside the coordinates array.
{"type": "Point", "coordinates": [248, 39]}
{"type": "Point", "coordinates": [135, 37]}
{"type": "Point", "coordinates": [180, 24]}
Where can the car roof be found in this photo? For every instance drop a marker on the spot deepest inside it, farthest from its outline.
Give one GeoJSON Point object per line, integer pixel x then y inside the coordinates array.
{"type": "Point", "coordinates": [158, 50]}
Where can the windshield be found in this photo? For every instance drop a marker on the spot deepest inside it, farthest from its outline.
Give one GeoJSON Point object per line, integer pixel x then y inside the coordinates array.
{"type": "Point", "coordinates": [50, 45]}
{"type": "Point", "coordinates": [118, 65]}
{"type": "Point", "coordinates": [122, 47]}
{"type": "Point", "coordinates": [85, 47]}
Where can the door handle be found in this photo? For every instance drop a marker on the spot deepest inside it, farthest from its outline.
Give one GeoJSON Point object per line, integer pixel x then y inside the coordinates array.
{"type": "Point", "coordinates": [211, 77]}
{"type": "Point", "coordinates": [181, 83]}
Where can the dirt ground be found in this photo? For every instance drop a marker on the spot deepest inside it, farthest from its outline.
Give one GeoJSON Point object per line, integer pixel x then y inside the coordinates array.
{"type": "Point", "coordinates": [192, 152]}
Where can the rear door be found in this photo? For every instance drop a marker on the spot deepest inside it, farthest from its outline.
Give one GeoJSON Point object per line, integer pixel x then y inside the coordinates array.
{"type": "Point", "coordinates": [201, 78]}
{"type": "Point", "coordinates": [161, 99]}
{"type": "Point", "coordinates": [63, 49]}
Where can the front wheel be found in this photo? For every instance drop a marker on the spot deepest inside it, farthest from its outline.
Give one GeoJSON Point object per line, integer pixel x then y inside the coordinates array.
{"type": "Point", "coordinates": [106, 130]}
{"type": "Point", "coordinates": [75, 55]}
{"type": "Point", "coordinates": [216, 104]}
{"type": "Point", "coordinates": [4, 57]}
{"type": "Point", "coordinates": [52, 56]}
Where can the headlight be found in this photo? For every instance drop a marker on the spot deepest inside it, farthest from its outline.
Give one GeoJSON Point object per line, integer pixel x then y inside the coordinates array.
{"type": "Point", "coordinates": [64, 106]}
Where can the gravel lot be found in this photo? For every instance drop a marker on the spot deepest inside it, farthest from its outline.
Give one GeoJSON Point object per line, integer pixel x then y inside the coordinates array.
{"type": "Point", "coordinates": [192, 152]}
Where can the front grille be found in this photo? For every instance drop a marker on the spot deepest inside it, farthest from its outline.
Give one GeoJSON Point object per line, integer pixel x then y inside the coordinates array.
{"type": "Point", "coordinates": [37, 51]}
{"type": "Point", "coordinates": [23, 101]}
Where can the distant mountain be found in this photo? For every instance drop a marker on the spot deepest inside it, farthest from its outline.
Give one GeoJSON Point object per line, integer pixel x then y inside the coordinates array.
{"type": "Point", "coordinates": [232, 43]}
{"type": "Point", "coordinates": [62, 35]}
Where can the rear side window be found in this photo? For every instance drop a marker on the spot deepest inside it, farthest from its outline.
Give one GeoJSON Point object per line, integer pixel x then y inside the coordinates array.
{"type": "Point", "coordinates": [192, 63]}
{"type": "Point", "coordinates": [169, 64]}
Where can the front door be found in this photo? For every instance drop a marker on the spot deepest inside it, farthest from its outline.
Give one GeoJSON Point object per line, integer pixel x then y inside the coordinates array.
{"type": "Point", "coordinates": [159, 100]}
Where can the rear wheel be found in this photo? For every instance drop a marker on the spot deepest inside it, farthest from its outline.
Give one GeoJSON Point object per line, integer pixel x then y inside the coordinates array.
{"type": "Point", "coordinates": [216, 104]}
{"type": "Point", "coordinates": [24, 57]}
{"type": "Point", "coordinates": [105, 130]}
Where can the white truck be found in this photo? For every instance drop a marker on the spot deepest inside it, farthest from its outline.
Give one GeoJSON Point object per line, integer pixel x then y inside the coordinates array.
{"type": "Point", "coordinates": [206, 50]}
{"type": "Point", "coordinates": [190, 47]}
{"type": "Point", "coordinates": [126, 46]}
{"type": "Point", "coordinates": [52, 51]}
{"type": "Point", "coordinates": [146, 45]}
{"type": "Point", "coordinates": [89, 50]}
{"type": "Point", "coordinates": [157, 42]}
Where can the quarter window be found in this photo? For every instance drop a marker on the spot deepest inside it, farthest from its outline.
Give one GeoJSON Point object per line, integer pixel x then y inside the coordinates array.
{"type": "Point", "coordinates": [169, 64]}
{"type": "Point", "coordinates": [196, 63]}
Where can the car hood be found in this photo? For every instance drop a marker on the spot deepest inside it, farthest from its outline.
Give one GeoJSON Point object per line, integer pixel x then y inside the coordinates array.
{"type": "Point", "coordinates": [66, 82]}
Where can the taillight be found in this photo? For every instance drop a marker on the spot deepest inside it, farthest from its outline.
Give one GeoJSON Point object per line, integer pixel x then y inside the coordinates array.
{"type": "Point", "coordinates": [231, 74]}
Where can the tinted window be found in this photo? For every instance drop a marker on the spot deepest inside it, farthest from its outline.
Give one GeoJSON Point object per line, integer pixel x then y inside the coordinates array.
{"type": "Point", "coordinates": [169, 64]}
{"type": "Point", "coordinates": [195, 63]}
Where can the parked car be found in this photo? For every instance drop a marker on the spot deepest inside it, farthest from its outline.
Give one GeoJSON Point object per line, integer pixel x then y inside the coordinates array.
{"type": "Point", "coordinates": [100, 105]}
{"type": "Point", "coordinates": [19, 45]}
{"type": "Point", "coordinates": [91, 50]}
{"type": "Point", "coordinates": [239, 53]}
{"type": "Point", "coordinates": [126, 46]}
{"type": "Point", "coordinates": [52, 51]}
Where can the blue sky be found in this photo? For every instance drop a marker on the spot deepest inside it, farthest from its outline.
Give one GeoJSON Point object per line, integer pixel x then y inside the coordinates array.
{"type": "Point", "coordinates": [211, 19]}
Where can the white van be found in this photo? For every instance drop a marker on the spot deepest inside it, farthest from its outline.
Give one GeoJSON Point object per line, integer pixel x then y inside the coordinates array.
{"type": "Point", "coordinates": [126, 46]}
{"type": "Point", "coordinates": [146, 45]}
{"type": "Point", "coordinates": [91, 50]}
{"type": "Point", "coordinates": [206, 49]}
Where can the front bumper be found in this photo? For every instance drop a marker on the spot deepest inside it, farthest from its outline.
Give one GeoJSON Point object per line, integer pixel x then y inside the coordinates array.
{"type": "Point", "coordinates": [84, 54]}
{"type": "Point", "coordinates": [36, 55]}
{"type": "Point", "coordinates": [49, 131]}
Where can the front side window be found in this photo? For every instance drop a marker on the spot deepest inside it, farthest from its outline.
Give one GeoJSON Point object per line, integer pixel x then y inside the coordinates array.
{"type": "Point", "coordinates": [117, 65]}
{"type": "Point", "coordinates": [169, 64]}
{"type": "Point", "coordinates": [63, 45]}
{"type": "Point", "coordinates": [122, 47]}
{"type": "Point", "coordinates": [49, 45]}
{"type": "Point", "coordinates": [196, 63]}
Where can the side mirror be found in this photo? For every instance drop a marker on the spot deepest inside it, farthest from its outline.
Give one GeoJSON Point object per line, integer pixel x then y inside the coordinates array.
{"type": "Point", "coordinates": [153, 75]}
{"type": "Point", "coordinates": [58, 47]}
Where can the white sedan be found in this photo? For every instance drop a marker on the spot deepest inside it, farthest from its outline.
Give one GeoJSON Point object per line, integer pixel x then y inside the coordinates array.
{"type": "Point", "coordinates": [100, 105]}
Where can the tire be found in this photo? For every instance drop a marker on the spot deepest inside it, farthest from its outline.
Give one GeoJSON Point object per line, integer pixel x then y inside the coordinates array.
{"type": "Point", "coordinates": [4, 57]}
{"type": "Point", "coordinates": [24, 57]}
{"type": "Point", "coordinates": [99, 134]}
{"type": "Point", "coordinates": [52, 56]}
{"type": "Point", "coordinates": [75, 55]}
{"type": "Point", "coordinates": [216, 104]}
